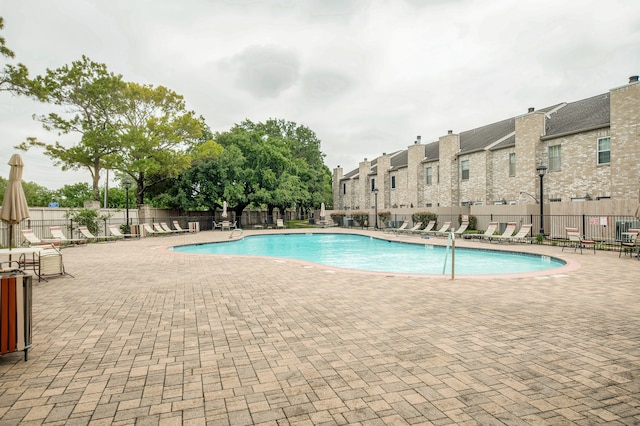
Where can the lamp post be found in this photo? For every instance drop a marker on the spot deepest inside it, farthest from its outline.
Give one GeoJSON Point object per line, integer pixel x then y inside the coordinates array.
{"type": "Point", "coordinates": [375, 211]}
{"type": "Point", "coordinates": [541, 169]}
{"type": "Point", "coordinates": [127, 184]}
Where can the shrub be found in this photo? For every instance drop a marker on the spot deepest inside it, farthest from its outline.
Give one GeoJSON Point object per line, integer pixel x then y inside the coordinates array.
{"type": "Point", "coordinates": [383, 217]}
{"type": "Point", "coordinates": [360, 218]}
{"type": "Point", "coordinates": [473, 221]}
{"type": "Point", "coordinates": [87, 217]}
{"type": "Point", "coordinates": [338, 217]}
{"type": "Point", "coordinates": [424, 217]}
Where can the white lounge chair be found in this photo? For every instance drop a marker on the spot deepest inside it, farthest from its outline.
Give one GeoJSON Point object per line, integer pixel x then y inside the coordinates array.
{"type": "Point", "coordinates": [31, 239]}
{"type": "Point", "coordinates": [443, 230]}
{"type": "Point", "coordinates": [427, 228]}
{"type": "Point", "coordinates": [158, 229]}
{"type": "Point", "coordinates": [178, 227]}
{"type": "Point", "coordinates": [409, 230]}
{"type": "Point", "coordinates": [56, 232]}
{"type": "Point", "coordinates": [115, 231]}
{"type": "Point", "coordinates": [399, 228]}
{"type": "Point", "coordinates": [164, 226]}
{"type": "Point", "coordinates": [522, 236]}
{"type": "Point", "coordinates": [488, 233]}
{"type": "Point", "coordinates": [461, 229]}
{"type": "Point", "coordinates": [90, 237]}
{"type": "Point", "coordinates": [280, 224]}
{"type": "Point", "coordinates": [508, 233]}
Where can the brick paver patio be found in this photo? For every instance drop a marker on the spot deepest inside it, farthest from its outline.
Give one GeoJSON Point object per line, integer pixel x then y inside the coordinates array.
{"type": "Point", "coordinates": [142, 335]}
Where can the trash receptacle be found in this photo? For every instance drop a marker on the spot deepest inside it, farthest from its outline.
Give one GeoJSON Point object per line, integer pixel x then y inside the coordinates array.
{"type": "Point", "coordinates": [15, 313]}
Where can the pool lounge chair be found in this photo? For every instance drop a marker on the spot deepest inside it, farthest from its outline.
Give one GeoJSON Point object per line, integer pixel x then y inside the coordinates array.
{"type": "Point", "coordinates": [400, 228]}
{"type": "Point", "coordinates": [443, 230]}
{"type": "Point", "coordinates": [410, 230]}
{"type": "Point", "coordinates": [30, 239]}
{"type": "Point", "coordinates": [427, 228]}
{"type": "Point", "coordinates": [488, 233]}
{"type": "Point", "coordinates": [115, 231]}
{"type": "Point", "coordinates": [90, 237]}
{"type": "Point", "coordinates": [461, 229]}
{"type": "Point", "coordinates": [578, 241]}
{"type": "Point", "coordinates": [179, 228]}
{"type": "Point", "coordinates": [508, 233]}
{"type": "Point", "coordinates": [159, 230]}
{"type": "Point", "coordinates": [56, 232]}
{"type": "Point", "coordinates": [522, 236]}
{"type": "Point", "coordinates": [165, 227]}
{"type": "Point", "coordinates": [280, 224]}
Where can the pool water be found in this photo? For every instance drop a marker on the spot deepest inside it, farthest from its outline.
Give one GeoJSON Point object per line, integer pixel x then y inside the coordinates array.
{"type": "Point", "coordinates": [374, 254]}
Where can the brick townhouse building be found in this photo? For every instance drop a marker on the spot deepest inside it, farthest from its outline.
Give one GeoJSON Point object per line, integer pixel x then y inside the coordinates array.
{"type": "Point", "coordinates": [591, 149]}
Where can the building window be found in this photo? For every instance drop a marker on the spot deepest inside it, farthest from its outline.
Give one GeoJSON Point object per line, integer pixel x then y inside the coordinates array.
{"type": "Point", "coordinates": [554, 157]}
{"type": "Point", "coordinates": [604, 150]}
{"type": "Point", "coordinates": [344, 188]}
{"type": "Point", "coordinates": [429, 175]}
{"type": "Point", "coordinates": [373, 184]}
{"type": "Point", "coordinates": [438, 172]}
{"type": "Point", "coordinates": [393, 182]}
{"type": "Point", "coordinates": [464, 164]}
{"type": "Point", "coordinates": [512, 164]}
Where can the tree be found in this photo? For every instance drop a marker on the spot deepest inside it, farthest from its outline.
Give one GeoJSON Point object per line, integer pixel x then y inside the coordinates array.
{"type": "Point", "coordinates": [36, 195]}
{"type": "Point", "coordinates": [157, 136]}
{"type": "Point", "coordinates": [91, 100]}
{"type": "Point", "coordinates": [13, 78]}
{"type": "Point", "coordinates": [74, 195]}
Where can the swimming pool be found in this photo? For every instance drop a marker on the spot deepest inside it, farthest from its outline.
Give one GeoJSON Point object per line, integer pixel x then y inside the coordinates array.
{"type": "Point", "coordinates": [374, 254]}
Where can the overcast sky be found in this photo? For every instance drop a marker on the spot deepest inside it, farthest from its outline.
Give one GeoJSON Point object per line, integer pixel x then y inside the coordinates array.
{"type": "Point", "coordinates": [366, 76]}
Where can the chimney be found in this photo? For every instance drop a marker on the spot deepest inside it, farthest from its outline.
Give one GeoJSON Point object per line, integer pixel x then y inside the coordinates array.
{"type": "Point", "coordinates": [419, 139]}
{"type": "Point", "coordinates": [633, 79]}
{"type": "Point", "coordinates": [449, 132]}
{"type": "Point", "coordinates": [365, 158]}
{"type": "Point", "coordinates": [531, 109]}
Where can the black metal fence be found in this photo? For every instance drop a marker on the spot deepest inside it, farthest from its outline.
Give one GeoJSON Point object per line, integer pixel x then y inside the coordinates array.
{"type": "Point", "coordinates": [604, 229]}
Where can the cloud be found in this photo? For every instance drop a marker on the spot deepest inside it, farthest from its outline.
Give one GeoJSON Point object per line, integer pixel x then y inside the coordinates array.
{"type": "Point", "coordinates": [365, 76]}
{"type": "Point", "coordinates": [264, 71]}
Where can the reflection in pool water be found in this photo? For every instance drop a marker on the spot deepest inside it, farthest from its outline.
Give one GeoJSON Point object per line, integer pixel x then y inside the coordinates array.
{"type": "Point", "coordinates": [373, 254]}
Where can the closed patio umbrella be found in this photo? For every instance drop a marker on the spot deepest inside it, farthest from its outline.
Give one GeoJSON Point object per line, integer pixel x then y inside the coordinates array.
{"type": "Point", "coordinates": [14, 205]}
{"type": "Point", "coordinates": [224, 209]}
{"type": "Point", "coordinates": [322, 212]}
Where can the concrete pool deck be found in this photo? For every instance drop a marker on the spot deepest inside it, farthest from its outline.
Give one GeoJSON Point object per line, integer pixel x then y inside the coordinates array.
{"type": "Point", "coordinates": [143, 335]}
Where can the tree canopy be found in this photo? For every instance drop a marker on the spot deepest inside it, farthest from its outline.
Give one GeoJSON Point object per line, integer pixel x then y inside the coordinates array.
{"type": "Point", "coordinates": [268, 165]}
{"type": "Point", "coordinates": [13, 78]}
{"type": "Point", "coordinates": [90, 99]}
{"type": "Point", "coordinates": [142, 131]}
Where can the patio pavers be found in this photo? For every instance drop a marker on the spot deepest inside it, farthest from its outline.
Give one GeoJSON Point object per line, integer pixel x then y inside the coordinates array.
{"type": "Point", "coordinates": [144, 335]}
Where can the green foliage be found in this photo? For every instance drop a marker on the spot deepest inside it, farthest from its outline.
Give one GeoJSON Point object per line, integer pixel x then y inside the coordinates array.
{"type": "Point", "coordinates": [73, 196]}
{"type": "Point", "coordinates": [384, 217]}
{"type": "Point", "coordinates": [87, 217]}
{"type": "Point", "coordinates": [338, 217]}
{"type": "Point", "coordinates": [424, 217]}
{"type": "Point", "coordinates": [90, 98]}
{"type": "Point", "coordinates": [13, 78]}
{"type": "Point", "coordinates": [275, 164]}
{"type": "Point", "coordinates": [473, 221]}
{"type": "Point", "coordinates": [539, 239]}
{"type": "Point", "coordinates": [360, 218]}
{"type": "Point", "coordinates": [157, 136]}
